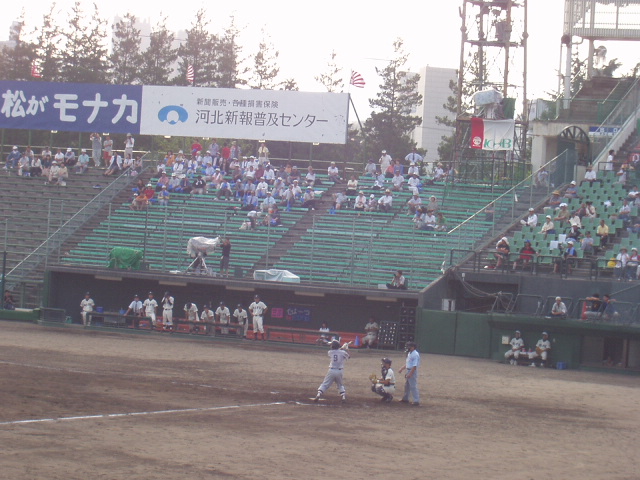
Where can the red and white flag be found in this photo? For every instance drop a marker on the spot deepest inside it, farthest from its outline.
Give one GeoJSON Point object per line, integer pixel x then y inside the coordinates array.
{"type": "Point", "coordinates": [35, 71]}
{"type": "Point", "coordinates": [190, 74]}
{"type": "Point", "coordinates": [492, 134]}
{"type": "Point", "coordinates": [357, 80]}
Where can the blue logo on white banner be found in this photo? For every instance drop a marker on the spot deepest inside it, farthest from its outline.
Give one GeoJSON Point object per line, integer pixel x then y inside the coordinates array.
{"type": "Point", "coordinates": [173, 114]}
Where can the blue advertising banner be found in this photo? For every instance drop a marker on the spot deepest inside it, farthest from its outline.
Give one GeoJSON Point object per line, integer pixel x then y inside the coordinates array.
{"type": "Point", "coordinates": [78, 107]}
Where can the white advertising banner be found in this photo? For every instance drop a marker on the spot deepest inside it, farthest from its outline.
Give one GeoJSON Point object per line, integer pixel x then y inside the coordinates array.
{"type": "Point", "coordinates": [247, 114]}
{"type": "Point", "coordinates": [492, 134]}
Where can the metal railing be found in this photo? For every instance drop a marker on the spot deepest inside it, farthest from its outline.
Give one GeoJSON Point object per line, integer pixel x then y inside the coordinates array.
{"type": "Point", "coordinates": [41, 254]}
{"type": "Point", "coordinates": [503, 211]}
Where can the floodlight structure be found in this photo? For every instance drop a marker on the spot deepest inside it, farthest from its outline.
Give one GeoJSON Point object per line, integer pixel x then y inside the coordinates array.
{"type": "Point", "coordinates": [491, 81]}
{"type": "Point", "coordinates": [596, 20]}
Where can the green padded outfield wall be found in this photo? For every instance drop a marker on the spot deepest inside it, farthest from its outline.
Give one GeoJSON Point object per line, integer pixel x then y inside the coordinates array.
{"type": "Point", "coordinates": [454, 333]}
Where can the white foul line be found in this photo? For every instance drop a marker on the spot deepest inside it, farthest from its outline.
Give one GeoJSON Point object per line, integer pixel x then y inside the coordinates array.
{"type": "Point", "coordinates": [133, 414]}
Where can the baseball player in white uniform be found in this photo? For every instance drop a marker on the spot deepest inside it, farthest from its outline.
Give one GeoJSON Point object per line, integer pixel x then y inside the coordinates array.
{"type": "Point", "coordinates": [240, 314]}
{"type": "Point", "coordinates": [338, 355]}
{"type": "Point", "coordinates": [257, 309]}
{"type": "Point", "coordinates": [191, 314]}
{"type": "Point", "coordinates": [542, 350]}
{"type": "Point", "coordinates": [207, 316]}
{"type": "Point", "coordinates": [167, 311]}
{"type": "Point", "coordinates": [223, 316]}
{"type": "Point", "coordinates": [517, 345]}
{"type": "Point", "coordinates": [86, 306]}
{"type": "Point", "coordinates": [372, 333]}
{"type": "Point", "coordinates": [385, 385]}
{"type": "Point", "coordinates": [150, 305]}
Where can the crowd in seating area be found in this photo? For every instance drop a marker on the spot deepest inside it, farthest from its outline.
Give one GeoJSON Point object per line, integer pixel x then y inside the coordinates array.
{"type": "Point", "coordinates": [580, 221]}
{"type": "Point", "coordinates": [55, 168]}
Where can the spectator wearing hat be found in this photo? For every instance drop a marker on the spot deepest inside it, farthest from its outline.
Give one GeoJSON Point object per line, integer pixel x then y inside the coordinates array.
{"type": "Point", "coordinates": [541, 352]}
{"type": "Point", "coordinates": [438, 174]}
{"type": "Point", "coordinates": [309, 199]}
{"type": "Point", "coordinates": [555, 199]}
{"type": "Point", "coordinates": [414, 184]}
{"type": "Point", "coordinates": [433, 204]}
{"type": "Point", "coordinates": [559, 309]}
{"type": "Point", "coordinates": [564, 260]}
{"type": "Point", "coordinates": [413, 169]}
{"type": "Point", "coordinates": [83, 162]}
{"type": "Point", "coordinates": [139, 202]}
{"type": "Point", "coordinates": [360, 202]}
{"type": "Point", "coordinates": [542, 178]}
{"type": "Point", "coordinates": [397, 182]}
{"type": "Point", "coordinates": [70, 158]}
{"type": "Point", "coordinates": [574, 233]}
{"type": "Point", "coordinates": [563, 214]}
{"type": "Point", "coordinates": [163, 196]}
{"type": "Point", "coordinates": [548, 228]}
{"type": "Point", "coordinates": [531, 220]}
{"type": "Point", "coordinates": [385, 161]}
{"type": "Point", "coordinates": [200, 186]}
{"type": "Point", "coordinates": [149, 192]}
{"type": "Point", "coordinates": [571, 191]}
{"type": "Point", "coordinates": [501, 253]}
{"type": "Point", "coordinates": [86, 306]}
{"type": "Point", "coordinates": [413, 203]}
{"type": "Point", "coordinates": [385, 202]}
{"type": "Point", "coordinates": [185, 185]}
{"type": "Point", "coordinates": [13, 157]}
{"type": "Point", "coordinates": [268, 203]}
{"type": "Point", "coordinates": [128, 145]}
{"type": "Point", "coordinates": [372, 204]}
{"type": "Point", "coordinates": [622, 174]}
{"type": "Point", "coordinates": [527, 253]}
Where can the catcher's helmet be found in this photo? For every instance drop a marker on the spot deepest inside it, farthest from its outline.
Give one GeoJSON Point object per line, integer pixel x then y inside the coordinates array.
{"type": "Point", "coordinates": [335, 344]}
{"type": "Point", "coordinates": [386, 360]}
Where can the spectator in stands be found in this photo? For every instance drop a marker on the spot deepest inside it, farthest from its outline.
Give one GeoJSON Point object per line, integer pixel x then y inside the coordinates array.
{"type": "Point", "coordinates": [371, 333]}
{"type": "Point", "coordinates": [370, 168]}
{"type": "Point", "coordinates": [24, 164]}
{"type": "Point", "coordinates": [556, 199]}
{"type": "Point", "coordinates": [609, 164]}
{"type": "Point", "coordinates": [379, 181]}
{"type": "Point", "coordinates": [96, 148]}
{"type": "Point", "coordinates": [397, 182]}
{"type": "Point", "coordinates": [623, 213]}
{"type": "Point", "coordinates": [225, 256]}
{"type": "Point", "coordinates": [137, 166]}
{"type": "Point", "coordinates": [128, 145]}
{"type": "Point", "coordinates": [83, 162]}
{"type": "Point", "coordinates": [294, 175]}
{"type": "Point", "coordinates": [542, 178]}
{"type": "Point", "coordinates": [413, 203]}
{"type": "Point", "coordinates": [603, 232]}
{"type": "Point", "coordinates": [340, 200]}
{"type": "Point", "coordinates": [185, 185]}
{"type": "Point", "coordinates": [297, 191]}
{"type": "Point", "coordinates": [163, 181]}
{"type": "Point", "coordinates": [590, 176]}
{"type": "Point", "coordinates": [36, 168]}
{"type": "Point", "coordinates": [433, 204]}
{"type": "Point", "coordinates": [273, 217]}
{"type": "Point", "coordinates": [70, 158]}
{"type": "Point", "coordinates": [150, 193]}
{"type": "Point", "coordinates": [385, 161]}
{"type": "Point", "coordinates": [333, 173]}
{"type": "Point", "coordinates": [262, 187]}
{"type": "Point", "coordinates": [268, 203]}
{"type": "Point", "coordinates": [414, 169]}
{"type": "Point", "coordinates": [127, 163]}
{"type": "Point", "coordinates": [622, 174]}
{"type": "Point", "coordinates": [527, 253]}
{"type": "Point", "coordinates": [621, 264]}
{"type": "Point", "coordinates": [360, 202]}
{"type": "Point", "coordinates": [414, 157]}
{"type": "Point", "coordinates": [9, 302]}
{"type": "Point", "coordinates": [559, 309]}
{"type": "Point", "coordinates": [63, 175]}
{"type": "Point", "coordinates": [372, 204]}
{"type": "Point", "coordinates": [574, 233]}
{"type": "Point", "coordinates": [428, 220]}
{"type": "Point", "coordinates": [502, 252]}
{"type": "Point", "coordinates": [115, 164]}
{"type": "Point", "coordinates": [441, 223]}
{"type": "Point", "coordinates": [594, 307]}
{"type": "Point", "coordinates": [631, 272]}
{"type": "Point", "coordinates": [531, 220]}
{"type": "Point", "coordinates": [541, 351]}
{"type": "Point", "coordinates": [398, 281]}
{"type": "Point", "coordinates": [548, 227]}
{"type": "Point", "coordinates": [163, 196]}
{"type": "Point", "coordinates": [174, 183]}
{"type": "Point", "coordinates": [53, 172]}
{"type": "Point", "coordinates": [200, 186]}
{"type": "Point", "coordinates": [438, 174]}
{"type": "Point", "coordinates": [571, 191]}
{"type": "Point", "coordinates": [563, 214]}
{"type": "Point", "coordinates": [517, 347]}
{"type": "Point", "coordinates": [564, 260]}
{"type": "Point", "coordinates": [311, 176]}
{"type": "Point", "coordinates": [352, 185]}
{"type": "Point", "coordinates": [309, 199]}
{"type": "Point", "coordinates": [590, 210]}
{"type": "Point", "coordinates": [414, 184]}
{"type": "Point", "coordinates": [418, 218]}
{"type": "Point", "coordinates": [609, 311]}
{"type": "Point", "coordinates": [59, 157]}
{"type": "Point", "coordinates": [398, 167]}
{"type": "Point", "coordinates": [586, 244]}
{"type": "Point", "coordinates": [385, 202]}
{"type": "Point", "coordinates": [13, 158]}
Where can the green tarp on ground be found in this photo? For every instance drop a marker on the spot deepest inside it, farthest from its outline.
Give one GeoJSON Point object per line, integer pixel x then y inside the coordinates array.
{"type": "Point", "coordinates": [125, 258]}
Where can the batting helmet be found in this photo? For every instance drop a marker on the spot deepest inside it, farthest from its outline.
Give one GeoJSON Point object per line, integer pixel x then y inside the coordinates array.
{"type": "Point", "coordinates": [335, 344]}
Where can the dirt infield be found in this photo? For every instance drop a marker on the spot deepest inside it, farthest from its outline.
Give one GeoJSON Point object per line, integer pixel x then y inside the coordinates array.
{"type": "Point", "coordinates": [78, 404]}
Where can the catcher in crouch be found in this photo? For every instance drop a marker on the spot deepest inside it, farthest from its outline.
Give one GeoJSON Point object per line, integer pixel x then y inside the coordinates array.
{"type": "Point", "coordinates": [338, 355]}
{"type": "Point", "coordinates": [385, 386]}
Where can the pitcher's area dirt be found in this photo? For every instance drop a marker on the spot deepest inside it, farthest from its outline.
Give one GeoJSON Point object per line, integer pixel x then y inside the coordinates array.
{"type": "Point", "coordinates": [158, 406]}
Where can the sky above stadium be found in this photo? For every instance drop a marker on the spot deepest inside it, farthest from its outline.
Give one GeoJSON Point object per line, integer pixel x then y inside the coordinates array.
{"type": "Point", "coordinates": [361, 33]}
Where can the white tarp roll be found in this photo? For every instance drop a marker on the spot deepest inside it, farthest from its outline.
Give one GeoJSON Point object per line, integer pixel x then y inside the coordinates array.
{"type": "Point", "coordinates": [274, 275]}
